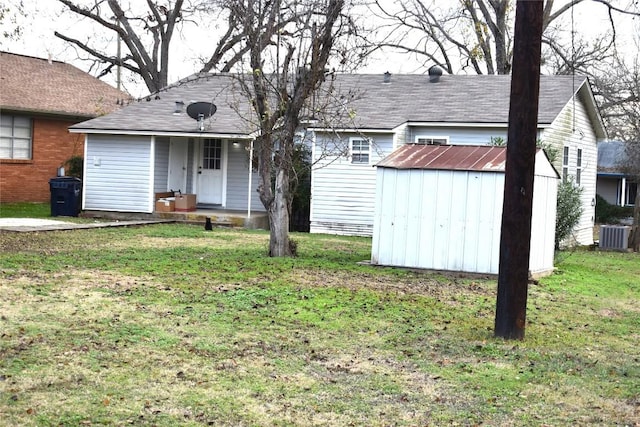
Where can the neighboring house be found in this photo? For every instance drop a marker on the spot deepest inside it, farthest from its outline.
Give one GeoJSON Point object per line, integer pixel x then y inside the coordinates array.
{"type": "Point", "coordinates": [153, 145]}
{"type": "Point", "coordinates": [462, 233]}
{"type": "Point", "coordinates": [614, 185]}
{"type": "Point", "coordinates": [39, 100]}
{"type": "Point", "coordinates": [451, 110]}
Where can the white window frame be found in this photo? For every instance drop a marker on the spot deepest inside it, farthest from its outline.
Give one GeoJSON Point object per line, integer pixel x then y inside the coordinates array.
{"type": "Point", "coordinates": [353, 154]}
{"type": "Point", "coordinates": [579, 167]}
{"type": "Point", "coordinates": [8, 133]}
{"type": "Point", "coordinates": [431, 140]}
{"type": "Point", "coordinates": [565, 163]}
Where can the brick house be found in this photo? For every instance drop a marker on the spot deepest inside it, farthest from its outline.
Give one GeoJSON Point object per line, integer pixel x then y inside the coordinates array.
{"type": "Point", "coordinates": [39, 100]}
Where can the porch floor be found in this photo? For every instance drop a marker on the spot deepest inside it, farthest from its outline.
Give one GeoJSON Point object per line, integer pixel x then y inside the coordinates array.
{"type": "Point", "coordinates": [219, 217]}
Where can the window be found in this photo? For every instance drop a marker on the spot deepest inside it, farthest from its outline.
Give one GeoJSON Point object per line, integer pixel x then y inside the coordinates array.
{"type": "Point", "coordinates": [360, 151]}
{"type": "Point", "coordinates": [579, 167]}
{"type": "Point", "coordinates": [15, 137]}
{"type": "Point", "coordinates": [565, 164]}
{"type": "Point", "coordinates": [212, 154]}
{"type": "Point", "coordinates": [432, 140]}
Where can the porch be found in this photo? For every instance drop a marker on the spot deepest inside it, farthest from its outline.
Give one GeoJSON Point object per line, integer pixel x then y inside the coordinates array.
{"type": "Point", "coordinates": [219, 217]}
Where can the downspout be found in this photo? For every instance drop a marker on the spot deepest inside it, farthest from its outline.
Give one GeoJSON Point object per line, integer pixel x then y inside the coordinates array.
{"type": "Point", "coordinates": [250, 178]}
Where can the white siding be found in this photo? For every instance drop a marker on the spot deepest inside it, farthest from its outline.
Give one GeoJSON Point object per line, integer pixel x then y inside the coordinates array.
{"type": "Point", "coordinates": [117, 176]}
{"type": "Point", "coordinates": [561, 134]}
{"type": "Point", "coordinates": [458, 135]}
{"type": "Point", "coordinates": [342, 194]}
{"type": "Point", "coordinates": [608, 189]}
{"type": "Point", "coordinates": [451, 220]}
{"type": "Point", "coordinates": [238, 179]}
{"type": "Point", "coordinates": [161, 169]}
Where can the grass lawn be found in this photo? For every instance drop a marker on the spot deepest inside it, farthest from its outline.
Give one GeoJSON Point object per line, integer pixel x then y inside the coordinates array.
{"type": "Point", "coordinates": [170, 325]}
{"type": "Point", "coordinates": [25, 210]}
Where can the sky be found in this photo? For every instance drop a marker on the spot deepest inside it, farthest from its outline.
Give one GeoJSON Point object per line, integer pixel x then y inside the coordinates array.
{"type": "Point", "coordinates": [43, 18]}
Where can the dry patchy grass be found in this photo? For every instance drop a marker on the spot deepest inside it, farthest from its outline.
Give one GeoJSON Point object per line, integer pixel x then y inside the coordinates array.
{"type": "Point", "coordinates": [172, 326]}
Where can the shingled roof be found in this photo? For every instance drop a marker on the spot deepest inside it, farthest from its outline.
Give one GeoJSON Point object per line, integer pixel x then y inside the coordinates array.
{"type": "Point", "coordinates": [40, 86]}
{"type": "Point", "coordinates": [455, 99]}
{"type": "Point", "coordinates": [154, 114]}
{"type": "Point", "coordinates": [611, 157]}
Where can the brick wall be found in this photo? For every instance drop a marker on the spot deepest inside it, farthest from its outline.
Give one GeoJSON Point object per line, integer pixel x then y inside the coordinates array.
{"type": "Point", "coordinates": [28, 180]}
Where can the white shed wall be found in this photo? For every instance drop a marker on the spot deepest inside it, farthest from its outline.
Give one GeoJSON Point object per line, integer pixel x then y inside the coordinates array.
{"type": "Point", "coordinates": [451, 220]}
{"type": "Point", "coordinates": [436, 219]}
{"type": "Point", "coordinates": [118, 173]}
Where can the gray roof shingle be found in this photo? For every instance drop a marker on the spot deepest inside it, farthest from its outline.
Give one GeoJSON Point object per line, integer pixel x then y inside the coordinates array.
{"type": "Point", "coordinates": [611, 157]}
{"type": "Point", "coordinates": [37, 85]}
{"type": "Point", "coordinates": [407, 98]}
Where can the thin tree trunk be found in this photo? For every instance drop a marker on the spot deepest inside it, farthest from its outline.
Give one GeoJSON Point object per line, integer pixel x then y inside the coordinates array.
{"type": "Point", "coordinates": [279, 216]}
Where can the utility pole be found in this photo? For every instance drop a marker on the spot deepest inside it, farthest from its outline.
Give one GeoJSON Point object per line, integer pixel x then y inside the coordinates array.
{"type": "Point", "coordinates": [515, 236]}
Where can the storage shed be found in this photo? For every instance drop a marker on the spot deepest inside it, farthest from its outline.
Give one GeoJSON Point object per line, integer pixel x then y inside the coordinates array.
{"type": "Point", "coordinates": [440, 208]}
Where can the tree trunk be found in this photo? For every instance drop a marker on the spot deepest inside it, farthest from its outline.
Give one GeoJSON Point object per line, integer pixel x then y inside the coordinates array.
{"type": "Point", "coordinates": [515, 235]}
{"type": "Point", "coordinates": [634, 239]}
{"type": "Point", "coordinates": [279, 216]}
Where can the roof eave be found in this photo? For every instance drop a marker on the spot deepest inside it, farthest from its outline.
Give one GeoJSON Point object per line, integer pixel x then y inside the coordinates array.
{"type": "Point", "coordinates": [195, 134]}
{"type": "Point", "coordinates": [40, 112]}
{"type": "Point", "coordinates": [593, 110]}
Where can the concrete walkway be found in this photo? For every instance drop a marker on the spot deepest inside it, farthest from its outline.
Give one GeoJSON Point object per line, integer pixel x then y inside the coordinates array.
{"type": "Point", "coordinates": [38, 224]}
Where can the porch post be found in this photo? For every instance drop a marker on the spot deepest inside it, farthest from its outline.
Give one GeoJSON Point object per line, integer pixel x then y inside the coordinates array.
{"type": "Point", "coordinates": [250, 179]}
{"type": "Point", "coordinates": [623, 192]}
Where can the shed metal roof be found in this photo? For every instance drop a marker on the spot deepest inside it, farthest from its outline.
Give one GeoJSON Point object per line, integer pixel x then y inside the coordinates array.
{"type": "Point", "coordinates": [447, 157]}
{"type": "Point", "coordinates": [480, 158]}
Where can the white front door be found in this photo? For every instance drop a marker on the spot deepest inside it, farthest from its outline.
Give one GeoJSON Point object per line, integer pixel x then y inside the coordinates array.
{"type": "Point", "coordinates": [210, 168]}
{"type": "Point", "coordinates": [178, 149]}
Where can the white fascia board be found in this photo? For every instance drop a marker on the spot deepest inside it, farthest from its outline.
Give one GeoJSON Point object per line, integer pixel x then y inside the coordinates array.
{"type": "Point", "coordinates": [468, 125]}
{"type": "Point", "coordinates": [458, 124]}
{"type": "Point", "coordinates": [147, 133]}
{"type": "Point", "coordinates": [348, 130]}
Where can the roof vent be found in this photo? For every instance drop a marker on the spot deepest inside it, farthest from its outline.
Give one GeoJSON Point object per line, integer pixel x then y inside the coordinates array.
{"type": "Point", "coordinates": [387, 77]}
{"type": "Point", "coordinates": [434, 74]}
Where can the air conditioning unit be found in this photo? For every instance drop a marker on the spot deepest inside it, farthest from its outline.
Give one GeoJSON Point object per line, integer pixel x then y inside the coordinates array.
{"type": "Point", "coordinates": [614, 237]}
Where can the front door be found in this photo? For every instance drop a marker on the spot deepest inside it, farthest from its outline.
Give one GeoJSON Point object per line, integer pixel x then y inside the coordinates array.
{"type": "Point", "coordinates": [210, 176]}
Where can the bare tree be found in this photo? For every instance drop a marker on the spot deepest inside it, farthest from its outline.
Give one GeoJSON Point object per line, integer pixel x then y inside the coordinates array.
{"type": "Point", "coordinates": [147, 35]}
{"type": "Point", "coordinates": [283, 84]}
{"type": "Point", "coordinates": [474, 34]}
{"type": "Point", "coordinates": [10, 11]}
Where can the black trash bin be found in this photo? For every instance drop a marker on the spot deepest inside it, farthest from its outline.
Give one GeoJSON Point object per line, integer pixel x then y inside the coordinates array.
{"type": "Point", "coordinates": [66, 195]}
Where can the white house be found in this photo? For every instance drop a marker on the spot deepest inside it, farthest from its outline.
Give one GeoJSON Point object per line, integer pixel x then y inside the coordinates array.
{"type": "Point", "coordinates": [615, 185]}
{"type": "Point", "coordinates": [440, 208]}
{"type": "Point", "coordinates": [453, 110]}
{"type": "Point", "coordinates": [153, 145]}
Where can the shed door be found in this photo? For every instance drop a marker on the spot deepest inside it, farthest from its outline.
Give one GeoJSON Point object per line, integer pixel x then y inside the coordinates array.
{"type": "Point", "coordinates": [210, 172]}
